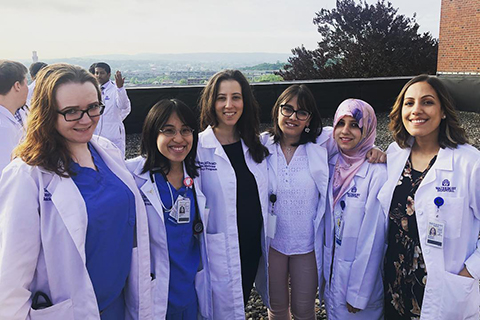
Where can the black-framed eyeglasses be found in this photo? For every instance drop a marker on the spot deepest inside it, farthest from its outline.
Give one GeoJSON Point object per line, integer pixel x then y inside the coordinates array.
{"type": "Point", "coordinates": [287, 111]}
{"type": "Point", "coordinates": [93, 111]}
{"type": "Point", "coordinates": [171, 132]}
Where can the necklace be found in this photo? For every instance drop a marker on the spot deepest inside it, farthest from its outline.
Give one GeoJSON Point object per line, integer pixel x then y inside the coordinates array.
{"type": "Point", "coordinates": [289, 150]}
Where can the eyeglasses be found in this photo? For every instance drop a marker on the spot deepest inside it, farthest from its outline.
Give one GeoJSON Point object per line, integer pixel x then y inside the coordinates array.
{"type": "Point", "coordinates": [93, 111]}
{"type": "Point", "coordinates": [287, 111]}
{"type": "Point", "coordinates": [171, 132]}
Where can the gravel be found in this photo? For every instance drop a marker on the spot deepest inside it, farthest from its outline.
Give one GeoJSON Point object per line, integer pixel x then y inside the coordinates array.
{"type": "Point", "coordinates": [255, 309]}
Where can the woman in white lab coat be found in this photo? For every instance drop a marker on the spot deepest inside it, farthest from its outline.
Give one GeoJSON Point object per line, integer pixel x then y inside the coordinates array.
{"type": "Point", "coordinates": [431, 202]}
{"type": "Point", "coordinates": [165, 173]}
{"type": "Point", "coordinates": [354, 221]}
{"type": "Point", "coordinates": [298, 180]}
{"type": "Point", "coordinates": [68, 213]}
{"type": "Point", "coordinates": [233, 176]}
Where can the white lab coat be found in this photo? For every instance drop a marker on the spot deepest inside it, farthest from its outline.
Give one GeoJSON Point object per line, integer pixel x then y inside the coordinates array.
{"type": "Point", "coordinates": [117, 108]}
{"type": "Point", "coordinates": [357, 262]}
{"type": "Point", "coordinates": [159, 247]}
{"type": "Point", "coordinates": [218, 183]}
{"type": "Point", "coordinates": [318, 165]}
{"type": "Point", "coordinates": [455, 176]}
{"type": "Point", "coordinates": [43, 225]}
{"type": "Point", "coordinates": [11, 133]}
{"type": "Point", "coordinates": [31, 88]}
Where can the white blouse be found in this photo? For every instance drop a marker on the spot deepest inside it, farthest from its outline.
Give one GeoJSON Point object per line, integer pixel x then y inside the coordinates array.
{"type": "Point", "coordinates": [296, 205]}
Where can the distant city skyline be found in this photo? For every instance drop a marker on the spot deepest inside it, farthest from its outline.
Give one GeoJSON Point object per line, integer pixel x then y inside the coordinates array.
{"type": "Point", "coordinates": [57, 29]}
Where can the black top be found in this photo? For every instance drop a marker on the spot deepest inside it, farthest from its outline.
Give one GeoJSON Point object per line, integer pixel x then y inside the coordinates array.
{"type": "Point", "coordinates": [405, 271]}
{"type": "Point", "coordinates": [249, 212]}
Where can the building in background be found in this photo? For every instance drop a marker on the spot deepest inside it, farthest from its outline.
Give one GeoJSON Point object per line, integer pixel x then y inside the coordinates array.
{"type": "Point", "coordinates": [459, 51]}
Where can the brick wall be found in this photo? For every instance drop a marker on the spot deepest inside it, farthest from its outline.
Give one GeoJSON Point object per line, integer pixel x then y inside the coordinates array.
{"type": "Point", "coordinates": [459, 41]}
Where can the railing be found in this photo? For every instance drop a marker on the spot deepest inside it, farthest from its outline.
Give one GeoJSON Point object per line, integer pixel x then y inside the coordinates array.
{"type": "Point", "coordinates": [379, 92]}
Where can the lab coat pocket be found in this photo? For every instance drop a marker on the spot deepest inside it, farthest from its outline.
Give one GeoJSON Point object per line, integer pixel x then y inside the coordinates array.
{"type": "Point", "coordinates": [217, 257]}
{"type": "Point", "coordinates": [452, 213]}
{"type": "Point", "coordinates": [460, 297]}
{"type": "Point", "coordinates": [352, 218]}
{"type": "Point", "coordinates": [59, 311]}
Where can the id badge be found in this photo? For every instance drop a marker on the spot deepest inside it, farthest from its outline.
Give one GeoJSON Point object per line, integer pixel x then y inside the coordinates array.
{"type": "Point", "coordinates": [339, 230]}
{"type": "Point", "coordinates": [182, 206]}
{"type": "Point", "coordinates": [435, 232]}
{"type": "Point", "coordinates": [271, 226]}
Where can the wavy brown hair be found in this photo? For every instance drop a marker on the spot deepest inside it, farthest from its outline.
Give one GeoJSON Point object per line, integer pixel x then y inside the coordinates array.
{"type": "Point", "coordinates": [248, 126]}
{"type": "Point", "coordinates": [43, 145]}
{"type": "Point", "coordinates": [450, 134]}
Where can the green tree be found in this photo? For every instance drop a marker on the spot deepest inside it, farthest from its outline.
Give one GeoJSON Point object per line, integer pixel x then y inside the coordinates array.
{"type": "Point", "coordinates": [268, 78]}
{"type": "Point", "coordinates": [361, 40]}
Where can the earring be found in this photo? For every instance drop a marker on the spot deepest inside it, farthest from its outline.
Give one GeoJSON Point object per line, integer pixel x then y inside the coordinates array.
{"type": "Point", "coordinates": [444, 117]}
{"type": "Point", "coordinates": [307, 129]}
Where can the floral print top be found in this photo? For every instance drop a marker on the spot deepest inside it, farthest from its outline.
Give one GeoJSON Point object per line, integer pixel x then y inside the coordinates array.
{"type": "Point", "coordinates": [405, 271]}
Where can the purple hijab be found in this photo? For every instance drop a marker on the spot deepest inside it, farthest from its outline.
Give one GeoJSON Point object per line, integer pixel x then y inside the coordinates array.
{"type": "Point", "coordinates": [348, 163]}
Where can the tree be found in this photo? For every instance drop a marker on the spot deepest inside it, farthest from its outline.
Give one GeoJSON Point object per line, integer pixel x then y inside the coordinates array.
{"type": "Point", "coordinates": [267, 78]}
{"type": "Point", "coordinates": [361, 40]}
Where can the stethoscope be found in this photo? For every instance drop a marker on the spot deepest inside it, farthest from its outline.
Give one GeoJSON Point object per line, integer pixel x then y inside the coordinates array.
{"type": "Point", "coordinates": [197, 222]}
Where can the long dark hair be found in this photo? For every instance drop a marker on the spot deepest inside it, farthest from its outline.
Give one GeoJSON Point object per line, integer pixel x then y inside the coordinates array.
{"type": "Point", "coordinates": [156, 118]}
{"type": "Point", "coordinates": [248, 126]}
{"type": "Point", "coordinates": [305, 101]}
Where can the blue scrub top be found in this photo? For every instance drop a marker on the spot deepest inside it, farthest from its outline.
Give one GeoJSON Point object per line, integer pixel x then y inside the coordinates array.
{"type": "Point", "coordinates": [111, 218]}
{"type": "Point", "coordinates": [183, 249]}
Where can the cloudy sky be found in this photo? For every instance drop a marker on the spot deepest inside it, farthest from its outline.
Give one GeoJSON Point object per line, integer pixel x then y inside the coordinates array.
{"type": "Point", "coordinates": [75, 28]}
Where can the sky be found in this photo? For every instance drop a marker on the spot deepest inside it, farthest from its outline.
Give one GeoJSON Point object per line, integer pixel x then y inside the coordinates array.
{"type": "Point", "coordinates": [76, 28]}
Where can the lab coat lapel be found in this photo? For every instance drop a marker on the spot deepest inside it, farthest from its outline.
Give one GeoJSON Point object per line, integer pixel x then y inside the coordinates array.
{"type": "Point", "coordinates": [149, 189]}
{"type": "Point", "coordinates": [272, 164]}
{"type": "Point", "coordinates": [209, 140]}
{"type": "Point", "coordinates": [444, 161]}
{"type": "Point", "coordinates": [319, 173]}
{"type": "Point", "coordinates": [69, 202]}
{"type": "Point", "coordinates": [395, 163]}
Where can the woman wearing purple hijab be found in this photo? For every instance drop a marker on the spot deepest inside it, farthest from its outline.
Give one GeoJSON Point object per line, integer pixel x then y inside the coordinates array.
{"type": "Point", "coordinates": [354, 222]}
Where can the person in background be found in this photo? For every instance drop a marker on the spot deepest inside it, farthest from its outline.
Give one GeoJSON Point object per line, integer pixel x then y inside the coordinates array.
{"type": "Point", "coordinates": [117, 105]}
{"type": "Point", "coordinates": [34, 68]}
{"type": "Point", "coordinates": [433, 182]}
{"type": "Point", "coordinates": [13, 94]}
{"type": "Point", "coordinates": [298, 180]}
{"type": "Point", "coordinates": [354, 220]}
{"type": "Point", "coordinates": [73, 226]}
{"type": "Point", "coordinates": [233, 177]}
{"type": "Point", "coordinates": [166, 173]}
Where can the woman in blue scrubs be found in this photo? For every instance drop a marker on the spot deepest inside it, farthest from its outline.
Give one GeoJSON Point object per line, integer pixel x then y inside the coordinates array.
{"type": "Point", "coordinates": [165, 174]}
{"type": "Point", "coordinates": [68, 213]}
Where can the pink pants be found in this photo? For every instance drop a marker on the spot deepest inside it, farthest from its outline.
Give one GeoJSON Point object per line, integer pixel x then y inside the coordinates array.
{"type": "Point", "coordinates": [302, 269]}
